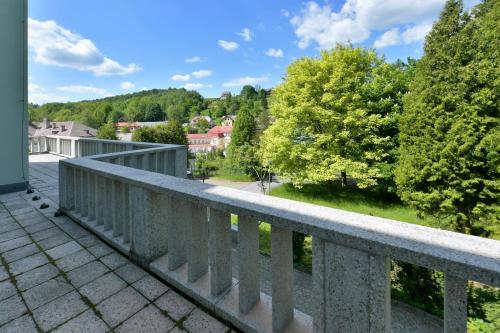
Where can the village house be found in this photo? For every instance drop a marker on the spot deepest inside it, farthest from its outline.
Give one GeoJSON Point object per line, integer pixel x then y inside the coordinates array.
{"type": "Point", "coordinates": [217, 137]}
{"type": "Point", "coordinates": [228, 120]}
{"type": "Point", "coordinates": [60, 128]}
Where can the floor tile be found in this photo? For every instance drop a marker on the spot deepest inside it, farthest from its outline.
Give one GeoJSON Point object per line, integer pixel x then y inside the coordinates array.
{"type": "Point", "coordinates": [175, 305]}
{"type": "Point", "coordinates": [22, 324]}
{"type": "Point", "coordinates": [87, 322]}
{"type": "Point", "coordinates": [121, 306]}
{"type": "Point", "coordinates": [28, 263]}
{"type": "Point", "coordinates": [5, 236]}
{"type": "Point", "coordinates": [100, 250]}
{"type": "Point", "coordinates": [36, 276]}
{"type": "Point", "coordinates": [148, 320]}
{"type": "Point", "coordinates": [87, 273]}
{"type": "Point", "coordinates": [14, 243]}
{"type": "Point", "coordinates": [75, 260]}
{"type": "Point", "coordinates": [64, 250]}
{"type": "Point", "coordinates": [7, 289]}
{"type": "Point", "coordinates": [150, 287]}
{"type": "Point", "coordinates": [21, 252]}
{"type": "Point", "coordinates": [114, 260]}
{"type": "Point", "coordinates": [59, 311]}
{"type": "Point", "coordinates": [199, 321]}
{"type": "Point", "coordinates": [130, 272]}
{"type": "Point", "coordinates": [12, 308]}
{"type": "Point", "coordinates": [46, 292]}
{"type": "Point", "coordinates": [103, 287]}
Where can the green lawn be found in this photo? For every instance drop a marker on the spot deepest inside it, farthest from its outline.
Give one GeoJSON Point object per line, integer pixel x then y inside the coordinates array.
{"type": "Point", "coordinates": [354, 200]}
{"type": "Point", "coordinates": [231, 176]}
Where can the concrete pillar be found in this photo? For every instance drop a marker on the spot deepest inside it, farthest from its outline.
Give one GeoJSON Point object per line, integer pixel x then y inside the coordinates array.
{"type": "Point", "coordinates": [58, 146]}
{"type": "Point", "coordinates": [78, 190]}
{"type": "Point", "coordinates": [100, 205]}
{"type": "Point", "coordinates": [170, 163]}
{"type": "Point", "coordinates": [126, 213]}
{"type": "Point", "coordinates": [91, 197]}
{"type": "Point", "coordinates": [352, 289]}
{"type": "Point", "coordinates": [108, 208]}
{"type": "Point", "coordinates": [197, 243]}
{"type": "Point", "coordinates": [118, 208]}
{"type": "Point", "coordinates": [179, 217]}
{"type": "Point", "coordinates": [455, 304]}
{"type": "Point", "coordinates": [220, 251]}
{"type": "Point", "coordinates": [149, 230]}
{"type": "Point", "coordinates": [85, 193]}
{"type": "Point", "coordinates": [248, 257]}
{"type": "Point", "coordinates": [63, 187]}
{"type": "Point", "coordinates": [282, 277]}
{"type": "Point", "coordinates": [73, 148]}
{"type": "Point", "coordinates": [181, 162]}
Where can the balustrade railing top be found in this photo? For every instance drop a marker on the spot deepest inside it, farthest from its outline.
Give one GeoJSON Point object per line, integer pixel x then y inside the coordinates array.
{"type": "Point", "coordinates": [181, 230]}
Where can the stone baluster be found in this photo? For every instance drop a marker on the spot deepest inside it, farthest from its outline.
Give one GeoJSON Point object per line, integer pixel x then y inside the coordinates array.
{"type": "Point", "coordinates": [117, 208]}
{"type": "Point", "coordinates": [91, 197]}
{"type": "Point", "coordinates": [85, 193]}
{"type": "Point", "coordinates": [248, 257]}
{"type": "Point", "coordinates": [219, 251]}
{"type": "Point", "coordinates": [78, 191]}
{"type": "Point", "coordinates": [160, 162]}
{"type": "Point", "coordinates": [108, 199]}
{"type": "Point", "coordinates": [125, 201]}
{"type": "Point", "coordinates": [181, 162]}
{"type": "Point", "coordinates": [282, 277]}
{"type": "Point", "coordinates": [147, 222]}
{"type": "Point", "coordinates": [455, 304]}
{"type": "Point", "coordinates": [170, 163]}
{"type": "Point", "coordinates": [100, 206]}
{"type": "Point", "coordinates": [197, 254]}
{"type": "Point", "coordinates": [352, 289]}
{"type": "Point", "coordinates": [179, 217]}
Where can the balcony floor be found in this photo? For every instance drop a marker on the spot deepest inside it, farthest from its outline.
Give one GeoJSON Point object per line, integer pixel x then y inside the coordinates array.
{"type": "Point", "coordinates": [69, 279]}
{"type": "Point", "coordinates": [57, 277]}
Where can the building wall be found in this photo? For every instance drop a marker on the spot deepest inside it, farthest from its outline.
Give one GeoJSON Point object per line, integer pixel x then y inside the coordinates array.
{"type": "Point", "coordinates": [13, 95]}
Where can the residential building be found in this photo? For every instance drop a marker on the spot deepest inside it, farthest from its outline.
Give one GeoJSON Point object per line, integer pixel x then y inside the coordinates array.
{"type": "Point", "coordinates": [218, 137]}
{"type": "Point", "coordinates": [228, 120]}
{"type": "Point", "coordinates": [196, 119]}
{"type": "Point", "coordinates": [62, 128]}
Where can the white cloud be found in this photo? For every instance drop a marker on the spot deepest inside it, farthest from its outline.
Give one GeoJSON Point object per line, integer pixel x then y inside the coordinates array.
{"type": "Point", "coordinates": [55, 45]}
{"type": "Point", "coordinates": [246, 34]}
{"type": "Point", "coordinates": [127, 85]}
{"type": "Point", "coordinates": [202, 73]}
{"type": "Point", "coordinates": [196, 86]}
{"type": "Point", "coordinates": [78, 89]}
{"type": "Point", "coordinates": [228, 46]}
{"type": "Point", "coordinates": [285, 13]}
{"type": "Point", "coordinates": [42, 98]}
{"type": "Point", "coordinates": [33, 88]}
{"type": "Point", "coordinates": [193, 60]}
{"type": "Point", "coordinates": [181, 77]}
{"type": "Point", "coordinates": [356, 20]}
{"type": "Point", "coordinates": [410, 35]}
{"type": "Point", "coordinates": [246, 80]}
{"type": "Point", "coordinates": [276, 53]}
{"type": "Point", "coordinates": [388, 38]}
{"type": "Point", "coordinates": [416, 33]}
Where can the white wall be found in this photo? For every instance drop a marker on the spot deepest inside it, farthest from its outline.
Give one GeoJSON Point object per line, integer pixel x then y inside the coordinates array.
{"type": "Point", "coordinates": [13, 95]}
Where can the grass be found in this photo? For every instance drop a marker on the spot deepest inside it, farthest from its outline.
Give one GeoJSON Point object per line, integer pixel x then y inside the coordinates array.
{"type": "Point", "coordinates": [355, 200]}
{"type": "Point", "coordinates": [231, 176]}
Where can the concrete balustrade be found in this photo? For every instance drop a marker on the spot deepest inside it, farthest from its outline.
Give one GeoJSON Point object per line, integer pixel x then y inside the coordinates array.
{"type": "Point", "coordinates": [181, 230]}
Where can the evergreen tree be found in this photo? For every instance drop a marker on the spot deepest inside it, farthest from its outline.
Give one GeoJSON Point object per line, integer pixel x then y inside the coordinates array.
{"type": "Point", "coordinates": [449, 162]}
{"type": "Point", "coordinates": [107, 131]}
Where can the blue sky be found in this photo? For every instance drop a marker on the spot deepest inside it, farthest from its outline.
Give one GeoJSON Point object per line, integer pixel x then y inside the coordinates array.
{"type": "Point", "coordinates": [88, 49]}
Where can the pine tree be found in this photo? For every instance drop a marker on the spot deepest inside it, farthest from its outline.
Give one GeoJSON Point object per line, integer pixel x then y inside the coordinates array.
{"type": "Point", "coordinates": [449, 132]}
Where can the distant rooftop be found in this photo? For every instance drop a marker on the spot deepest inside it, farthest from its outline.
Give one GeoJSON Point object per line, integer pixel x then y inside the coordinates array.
{"type": "Point", "coordinates": [62, 128]}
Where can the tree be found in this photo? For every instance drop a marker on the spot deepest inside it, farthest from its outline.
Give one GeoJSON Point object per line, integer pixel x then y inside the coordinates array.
{"type": "Point", "coordinates": [332, 118]}
{"type": "Point", "coordinates": [449, 131]}
{"type": "Point", "coordinates": [171, 133]}
{"type": "Point", "coordinates": [244, 127]}
{"type": "Point", "coordinates": [154, 112]}
{"type": "Point", "coordinates": [107, 131]}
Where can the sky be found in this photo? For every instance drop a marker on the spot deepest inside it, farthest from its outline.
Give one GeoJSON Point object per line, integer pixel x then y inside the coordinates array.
{"type": "Point", "coordinates": [89, 49]}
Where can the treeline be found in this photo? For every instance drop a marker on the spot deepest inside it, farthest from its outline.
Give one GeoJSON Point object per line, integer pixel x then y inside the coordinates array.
{"type": "Point", "coordinates": [150, 105]}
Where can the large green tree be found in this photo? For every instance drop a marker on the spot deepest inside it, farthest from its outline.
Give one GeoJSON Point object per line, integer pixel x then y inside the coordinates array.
{"type": "Point", "coordinates": [334, 116]}
{"type": "Point", "coordinates": [107, 131]}
{"type": "Point", "coordinates": [450, 135]}
{"type": "Point", "coordinates": [172, 133]}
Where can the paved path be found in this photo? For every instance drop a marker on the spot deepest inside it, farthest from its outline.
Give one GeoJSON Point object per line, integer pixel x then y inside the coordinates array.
{"type": "Point", "coordinates": [57, 277]}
